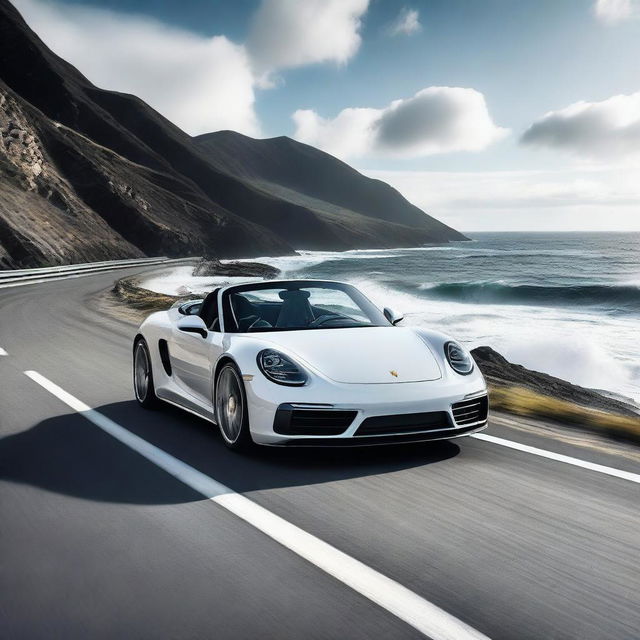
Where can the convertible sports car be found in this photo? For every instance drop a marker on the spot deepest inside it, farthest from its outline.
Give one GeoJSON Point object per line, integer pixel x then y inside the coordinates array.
{"type": "Point", "coordinates": [306, 362]}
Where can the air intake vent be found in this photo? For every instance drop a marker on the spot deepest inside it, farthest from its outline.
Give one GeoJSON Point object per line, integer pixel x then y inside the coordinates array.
{"type": "Point", "coordinates": [293, 421]}
{"type": "Point", "coordinates": [406, 423]}
{"type": "Point", "coordinates": [163, 347]}
{"type": "Point", "coordinates": [471, 411]}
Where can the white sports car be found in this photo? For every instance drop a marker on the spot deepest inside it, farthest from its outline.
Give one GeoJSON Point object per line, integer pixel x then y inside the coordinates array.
{"type": "Point", "coordinates": [306, 362]}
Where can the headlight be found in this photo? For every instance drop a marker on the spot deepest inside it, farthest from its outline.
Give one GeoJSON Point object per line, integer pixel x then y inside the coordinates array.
{"type": "Point", "coordinates": [459, 359]}
{"type": "Point", "coordinates": [280, 368]}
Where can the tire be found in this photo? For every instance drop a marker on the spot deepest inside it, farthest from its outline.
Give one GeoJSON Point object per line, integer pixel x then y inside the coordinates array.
{"type": "Point", "coordinates": [231, 409]}
{"type": "Point", "coordinates": [143, 386]}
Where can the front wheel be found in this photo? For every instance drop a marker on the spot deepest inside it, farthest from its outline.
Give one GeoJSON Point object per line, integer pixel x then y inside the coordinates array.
{"type": "Point", "coordinates": [231, 408]}
{"type": "Point", "coordinates": [143, 376]}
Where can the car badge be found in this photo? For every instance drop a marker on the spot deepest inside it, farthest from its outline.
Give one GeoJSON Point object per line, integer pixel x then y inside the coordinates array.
{"type": "Point", "coordinates": [394, 373]}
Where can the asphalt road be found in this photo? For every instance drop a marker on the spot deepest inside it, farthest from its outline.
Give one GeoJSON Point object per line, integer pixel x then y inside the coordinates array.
{"type": "Point", "coordinates": [98, 542]}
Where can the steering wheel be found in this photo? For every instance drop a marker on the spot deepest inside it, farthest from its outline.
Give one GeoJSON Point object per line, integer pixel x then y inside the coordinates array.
{"type": "Point", "coordinates": [328, 317]}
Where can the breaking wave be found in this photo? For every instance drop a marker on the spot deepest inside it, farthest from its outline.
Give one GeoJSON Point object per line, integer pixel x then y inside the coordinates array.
{"type": "Point", "coordinates": [615, 296]}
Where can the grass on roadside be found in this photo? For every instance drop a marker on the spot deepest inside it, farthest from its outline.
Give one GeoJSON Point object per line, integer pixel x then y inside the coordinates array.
{"type": "Point", "coordinates": [525, 402]}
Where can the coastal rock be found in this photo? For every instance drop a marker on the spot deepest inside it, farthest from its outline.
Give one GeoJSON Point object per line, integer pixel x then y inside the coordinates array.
{"type": "Point", "coordinates": [213, 267]}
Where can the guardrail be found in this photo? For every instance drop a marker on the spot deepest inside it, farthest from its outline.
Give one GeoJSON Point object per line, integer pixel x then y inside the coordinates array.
{"type": "Point", "coordinates": [41, 274]}
{"type": "Point", "coordinates": [16, 273]}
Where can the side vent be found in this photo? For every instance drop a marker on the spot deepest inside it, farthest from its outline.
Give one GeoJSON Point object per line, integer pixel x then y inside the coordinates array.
{"type": "Point", "coordinates": [163, 347]}
{"type": "Point", "coordinates": [471, 411]}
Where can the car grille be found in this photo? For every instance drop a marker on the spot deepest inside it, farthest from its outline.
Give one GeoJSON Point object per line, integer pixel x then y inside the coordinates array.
{"type": "Point", "coordinates": [312, 422]}
{"type": "Point", "coordinates": [471, 411]}
{"type": "Point", "coordinates": [404, 423]}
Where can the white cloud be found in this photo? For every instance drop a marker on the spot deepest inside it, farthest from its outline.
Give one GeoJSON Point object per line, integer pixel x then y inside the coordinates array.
{"type": "Point", "coordinates": [201, 84]}
{"type": "Point", "coordinates": [435, 120]}
{"type": "Point", "coordinates": [593, 198]}
{"type": "Point", "coordinates": [350, 133]}
{"type": "Point", "coordinates": [292, 33]}
{"type": "Point", "coordinates": [614, 11]}
{"type": "Point", "coordinates": [407, 23]}
{"type": "Point", "coordinates": [610, 128]}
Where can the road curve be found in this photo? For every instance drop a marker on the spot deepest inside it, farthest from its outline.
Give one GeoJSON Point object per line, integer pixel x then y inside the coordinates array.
{"type": "Point", "coordinates": [96, 541]}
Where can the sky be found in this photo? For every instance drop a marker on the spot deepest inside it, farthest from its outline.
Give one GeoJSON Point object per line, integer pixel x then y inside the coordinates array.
{"type": "Point", "coordinates": [492, 115]}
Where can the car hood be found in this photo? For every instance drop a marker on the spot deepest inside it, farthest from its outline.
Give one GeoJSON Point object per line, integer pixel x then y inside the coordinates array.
{"type": "Point", "coordinates": [363, 355]}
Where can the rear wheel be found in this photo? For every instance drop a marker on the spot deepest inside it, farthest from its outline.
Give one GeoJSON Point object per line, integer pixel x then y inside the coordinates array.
{"type": "Point", "coordinates": [231, 408]}
{"type": "Point", "coordinates": [143, 376]}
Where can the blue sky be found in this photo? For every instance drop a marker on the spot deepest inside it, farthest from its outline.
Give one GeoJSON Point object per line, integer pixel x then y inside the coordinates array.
{"type": "Point", "coordinates": [346, 80]}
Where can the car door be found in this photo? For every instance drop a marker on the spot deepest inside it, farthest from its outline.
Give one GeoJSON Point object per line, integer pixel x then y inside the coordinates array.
{"type": "Point", "coordinates": [192, 359]}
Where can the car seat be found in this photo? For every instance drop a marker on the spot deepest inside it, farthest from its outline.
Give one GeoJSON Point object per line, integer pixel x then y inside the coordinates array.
{"type": "Point", "coordinates": [295, 310]}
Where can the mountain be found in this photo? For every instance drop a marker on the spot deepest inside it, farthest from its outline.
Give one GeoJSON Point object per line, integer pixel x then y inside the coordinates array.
{"type": "Point", "coordinates": [310, 178]}
{"type": "Point", "coordinates": [88, 174]}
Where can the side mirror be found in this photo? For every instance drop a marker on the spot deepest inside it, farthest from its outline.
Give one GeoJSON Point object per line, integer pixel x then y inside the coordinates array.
{"type": "Point", "coordinates": [193, 324]}
{"type": "Point", "coordinates": [190, 308]}
{"type": "Point", "coordinates": [392, 316]}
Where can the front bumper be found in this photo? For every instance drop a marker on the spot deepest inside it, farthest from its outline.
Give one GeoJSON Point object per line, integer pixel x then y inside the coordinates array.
{"type": "Point", "coordinates": [362, 406]}
{"type": "Point", "coordinates": [368, 441]}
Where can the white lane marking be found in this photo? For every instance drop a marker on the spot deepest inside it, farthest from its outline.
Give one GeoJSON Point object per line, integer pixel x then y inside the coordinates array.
{"type": "Point", "coordinates": [3, 352]}
{"type": "Point", "coordinates": [387, 593]}
{"type": "Point", "coordinates": [559, 457]}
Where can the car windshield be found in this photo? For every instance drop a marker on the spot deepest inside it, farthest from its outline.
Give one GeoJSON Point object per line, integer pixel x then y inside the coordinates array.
{"type": "Point", "coordinates": [298, 305]}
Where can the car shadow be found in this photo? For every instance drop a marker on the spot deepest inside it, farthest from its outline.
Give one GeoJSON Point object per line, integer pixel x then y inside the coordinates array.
{"type": "Point", "coordinates": [70, 455]}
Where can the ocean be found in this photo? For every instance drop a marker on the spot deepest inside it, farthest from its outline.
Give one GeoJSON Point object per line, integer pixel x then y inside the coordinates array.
{"type": "Point", "coordinates": [567, 304]}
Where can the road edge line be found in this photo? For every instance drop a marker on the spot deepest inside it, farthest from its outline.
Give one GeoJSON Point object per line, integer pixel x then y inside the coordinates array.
{"type": "Point", "coordinates": [559, 457]}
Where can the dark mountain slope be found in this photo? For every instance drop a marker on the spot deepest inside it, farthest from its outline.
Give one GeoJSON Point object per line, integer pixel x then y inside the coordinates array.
{"type": "Point", "coordinates": [42, 220]}
{"type": "Point", "coordinates": [64, 198]}
{"type": "Point", "coordinates": [291, 169]}
{"type": "Point", "coordinates": [151, 189]}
